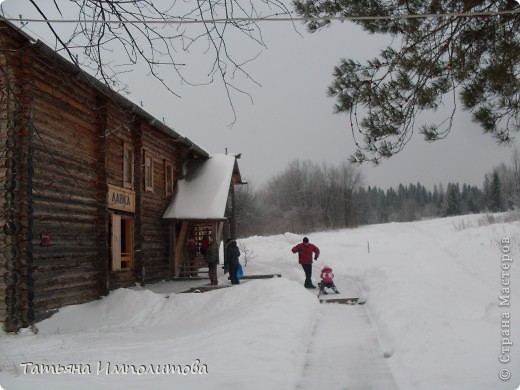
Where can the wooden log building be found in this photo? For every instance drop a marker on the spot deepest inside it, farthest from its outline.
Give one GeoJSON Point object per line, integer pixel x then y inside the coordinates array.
{"type": "Point", "coordinates": [85, 179]}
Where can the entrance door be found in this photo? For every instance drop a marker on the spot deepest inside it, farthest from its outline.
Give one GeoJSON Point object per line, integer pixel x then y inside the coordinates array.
{"type": "Point", "coordinates": [122, 242]}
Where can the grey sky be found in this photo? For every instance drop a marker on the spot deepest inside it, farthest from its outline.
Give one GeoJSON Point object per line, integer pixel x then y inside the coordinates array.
{"type": "Point", "coordinates": [291, 117]}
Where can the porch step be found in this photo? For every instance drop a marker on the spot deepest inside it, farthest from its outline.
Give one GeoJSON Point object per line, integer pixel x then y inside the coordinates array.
{"type": "Point", "coordinates": [264, 276]}
{"type": "Point", "coordinates": [183, 278]}
{"type": "Point", "coordinates": [203, 289]}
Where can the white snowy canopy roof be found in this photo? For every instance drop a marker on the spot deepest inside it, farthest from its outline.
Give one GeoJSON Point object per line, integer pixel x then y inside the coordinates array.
{"type": "Point", "coordinates": [203, 192]}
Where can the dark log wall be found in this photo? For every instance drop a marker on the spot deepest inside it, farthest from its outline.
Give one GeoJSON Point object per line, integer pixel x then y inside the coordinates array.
{"type": "Point", "coordinates": [3, 171]}
{"type": "Point", "coordinates": [4, 104]}
{"type": "Point", "coordinates": [61, 143]}
{"type": "Point", "coordinates": [17, 146]}
{"type": "Point", "coordinates": [65, 188]}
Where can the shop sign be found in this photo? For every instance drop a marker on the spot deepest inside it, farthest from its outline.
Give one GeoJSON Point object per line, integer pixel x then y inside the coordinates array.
{"type": "Point", "coordinates": [121, 199]}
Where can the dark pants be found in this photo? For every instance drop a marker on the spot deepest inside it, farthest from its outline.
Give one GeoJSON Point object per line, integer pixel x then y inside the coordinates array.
{"type": "Point", "coordinates": [323, 285]}
{"type": "Point", "coordinates": [233, 269]}
{"type": "Point", "coordinates": [307, 268]}
{"type": "Point", "coordinates": [212, 269]}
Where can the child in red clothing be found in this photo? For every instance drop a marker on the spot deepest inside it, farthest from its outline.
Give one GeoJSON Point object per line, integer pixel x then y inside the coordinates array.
{"type": "Point", "coordinates": [327, 277]}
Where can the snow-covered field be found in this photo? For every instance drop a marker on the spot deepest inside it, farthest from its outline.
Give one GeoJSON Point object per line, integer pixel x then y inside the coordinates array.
{"type": "Point", "coordinates": [433, 320]}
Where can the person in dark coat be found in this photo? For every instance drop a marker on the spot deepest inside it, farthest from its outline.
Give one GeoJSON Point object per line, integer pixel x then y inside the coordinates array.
{"type": "Point", "coordinates": [212, 258]}
{"type": "Point", "coordinates": [305, 251]}
{"type": "Point", "coordinates": [232, 255]}
{"type": "Point", "coordinates": [204, 244]}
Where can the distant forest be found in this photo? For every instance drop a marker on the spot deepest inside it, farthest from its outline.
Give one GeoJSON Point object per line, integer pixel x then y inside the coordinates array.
{"type": "Point", "coordinates": [309, 197]}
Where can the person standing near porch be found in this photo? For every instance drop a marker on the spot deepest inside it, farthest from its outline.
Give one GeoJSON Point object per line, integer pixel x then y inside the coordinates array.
{"type": "Point", "coordinates": [204, 243]}
{"type": "Point", "coordinates": [232, 255]}
{"type": "Point", "coordinates": [305, 251]}
{"type": "Point", "coordinates": [212, 258]}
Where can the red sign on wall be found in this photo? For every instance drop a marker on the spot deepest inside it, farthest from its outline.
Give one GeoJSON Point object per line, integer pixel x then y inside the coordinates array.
{"type": "Point", "coordinates": [45, 239]}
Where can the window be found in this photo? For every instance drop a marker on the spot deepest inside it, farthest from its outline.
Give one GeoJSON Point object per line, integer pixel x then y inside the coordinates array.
{"type": "Point", "coordinates": [168, 180]}
{"type": "Point", "coordinates": [128, 166]}
{"type": "Point", "coordinates": [122, 242]}
{"type": "Point", "coordinates": [148, 171]}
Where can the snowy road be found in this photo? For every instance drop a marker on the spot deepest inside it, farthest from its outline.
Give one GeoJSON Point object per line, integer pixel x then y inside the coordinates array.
{"type": "Point", "coordinates": [344, 352]}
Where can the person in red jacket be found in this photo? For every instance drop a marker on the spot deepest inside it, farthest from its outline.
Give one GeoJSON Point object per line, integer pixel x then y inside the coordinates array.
{"type": "Point", "coordinates": [305, 251]}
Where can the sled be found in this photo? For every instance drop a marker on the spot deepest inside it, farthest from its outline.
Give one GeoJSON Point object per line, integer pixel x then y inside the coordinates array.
{"type": "Point", "coordinates": [345, 301]}
{"type": "Point", "coordinates": [346, 292]}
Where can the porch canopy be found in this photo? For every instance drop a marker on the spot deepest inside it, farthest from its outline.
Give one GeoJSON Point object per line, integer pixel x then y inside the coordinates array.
{"type": "Point", "coordinates": [202, 204]}
{"type": "Point", "coordinates": [202, 193]}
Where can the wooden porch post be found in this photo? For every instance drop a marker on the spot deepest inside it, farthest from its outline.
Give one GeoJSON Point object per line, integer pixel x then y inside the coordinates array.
{"type": "Point", "coordinates": [179, 246]}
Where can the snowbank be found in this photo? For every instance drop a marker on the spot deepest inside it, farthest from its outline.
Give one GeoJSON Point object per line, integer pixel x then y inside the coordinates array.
{"type": "Point", "coordinates": [242, 335]}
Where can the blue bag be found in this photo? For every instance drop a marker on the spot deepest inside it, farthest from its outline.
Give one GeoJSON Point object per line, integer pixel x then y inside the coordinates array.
{"type": "Point", "coordinates": [240, 272]}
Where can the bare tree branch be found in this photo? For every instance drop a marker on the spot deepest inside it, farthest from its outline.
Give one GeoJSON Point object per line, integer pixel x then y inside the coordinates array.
{"type": "Point", "coordinates": [110, 37]}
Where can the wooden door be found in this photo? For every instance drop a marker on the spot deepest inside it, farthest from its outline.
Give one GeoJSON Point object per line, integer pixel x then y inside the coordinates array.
{"type": "Point", "coordinates": [116, 242]}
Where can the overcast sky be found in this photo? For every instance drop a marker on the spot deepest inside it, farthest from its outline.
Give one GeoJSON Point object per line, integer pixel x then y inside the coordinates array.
{"type": "Point", "coordinates": [291, 117]}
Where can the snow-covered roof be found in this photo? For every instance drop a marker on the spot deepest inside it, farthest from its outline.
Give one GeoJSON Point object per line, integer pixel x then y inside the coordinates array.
{"type": "Point", "coordinates": [203, 192]}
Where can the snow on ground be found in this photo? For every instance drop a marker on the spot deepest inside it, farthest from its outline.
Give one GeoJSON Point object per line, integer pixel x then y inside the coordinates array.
{"type": "Point", "coordinates": [344, 352]}
{"type": "Point", "coordinates": [432, 320]}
